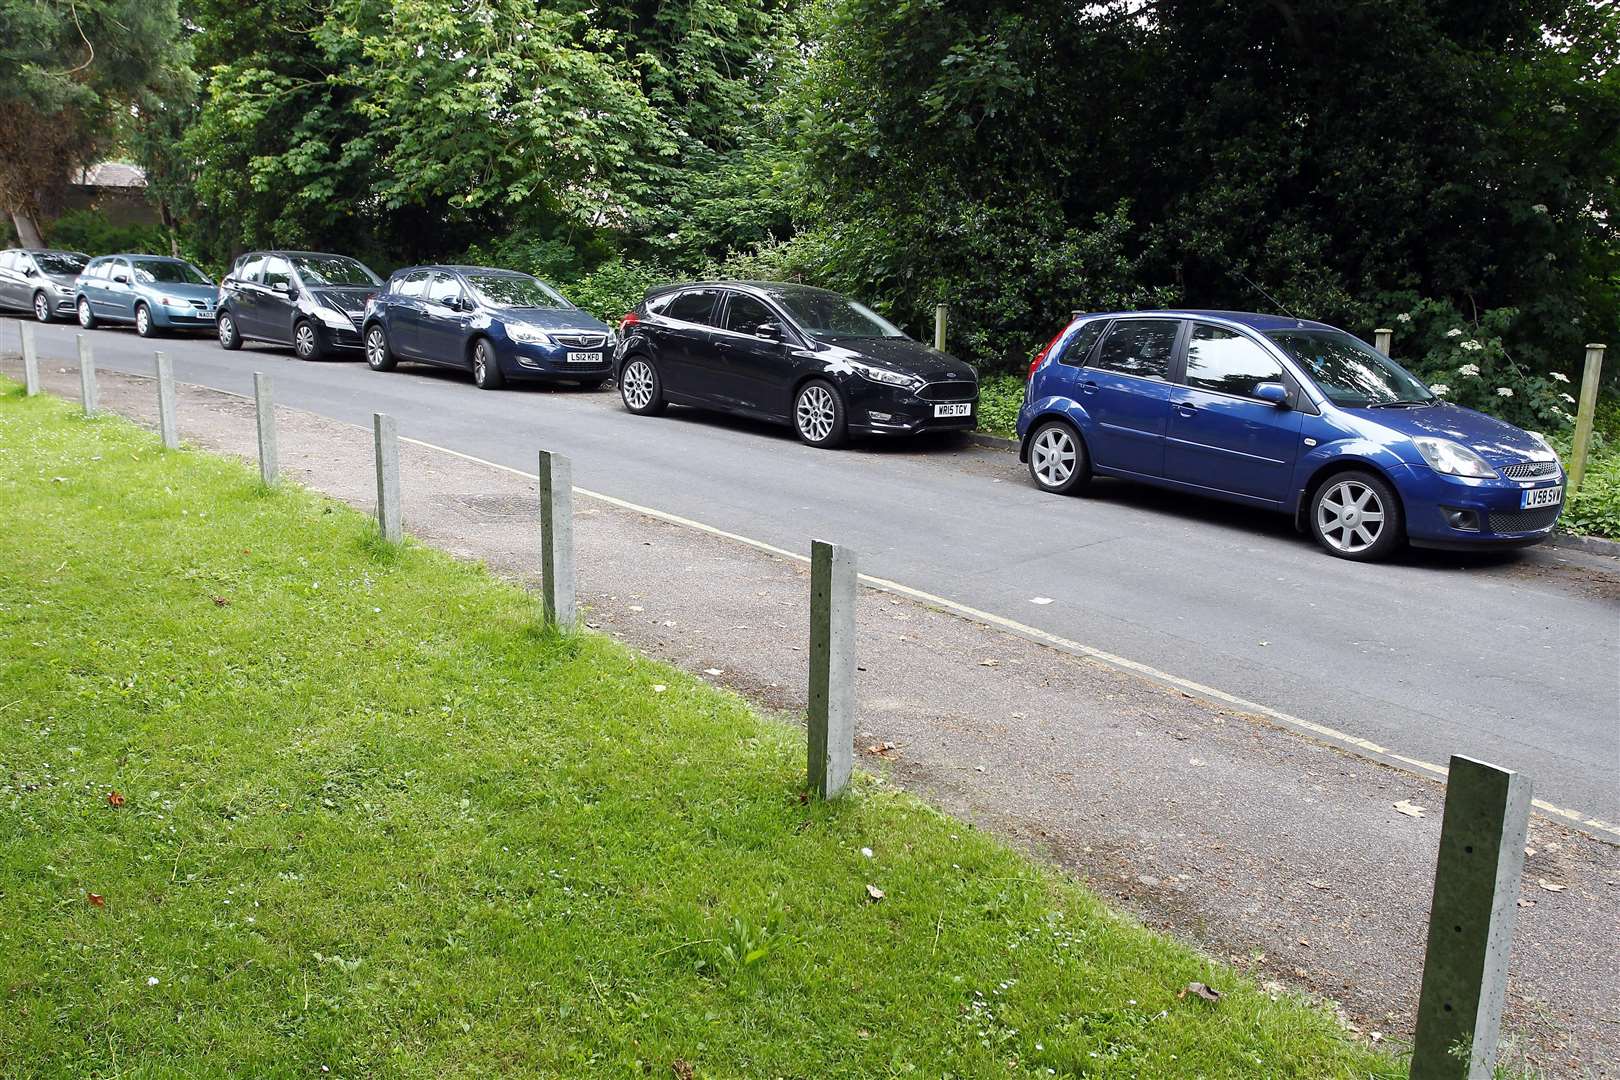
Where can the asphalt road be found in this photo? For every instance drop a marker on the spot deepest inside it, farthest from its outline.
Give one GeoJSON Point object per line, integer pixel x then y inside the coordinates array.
{"type": "Point", "coordinates": [1513, 658]}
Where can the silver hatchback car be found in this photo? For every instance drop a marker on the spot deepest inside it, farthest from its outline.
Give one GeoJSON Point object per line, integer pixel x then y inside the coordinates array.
{"type": "Point", "coordinates": [40, 281]}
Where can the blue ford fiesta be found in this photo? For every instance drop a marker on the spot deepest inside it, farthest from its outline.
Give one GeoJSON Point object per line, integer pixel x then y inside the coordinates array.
{"type": "Point", "coordinates": [1287, 414]}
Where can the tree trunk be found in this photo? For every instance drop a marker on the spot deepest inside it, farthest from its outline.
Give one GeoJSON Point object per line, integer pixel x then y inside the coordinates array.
{"type": "Point", "coordinates": [27, 229]}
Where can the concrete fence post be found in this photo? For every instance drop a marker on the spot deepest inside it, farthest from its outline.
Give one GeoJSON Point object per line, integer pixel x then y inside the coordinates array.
{"type": "Point", "coordinates": [1476, 892]}
{"type": "Point", "coordinates": [942, 313]}
{"type": "Point", "coordinates": [1383, 338]}
{"type": "Point", "coordinates": [1584, 411]}
{"type": "Point", "coordinates": [87, 376]}
{"type": "Point", "coordinates": [557, 539]}
{"type": "Point", "coordinates": [30, 360]}
{"type": "Point", "coordinates": [385, 437]}
{"type": "Point", "coordinates": [168, 424]}
{"type": "Point", "coordinates": [832, 668]}
{"type": "Point", "coordinates": [266, 407]}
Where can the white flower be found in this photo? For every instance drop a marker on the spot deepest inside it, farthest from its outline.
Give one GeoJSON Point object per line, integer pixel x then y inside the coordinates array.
{"type": "Point", "coordinates": [1504, 391]}
{"type": "Point", "coordinates": [1559, 110]}
{"type": "Point", "coordinates": [151, 980]}
{"type": "Point", "coordinates": [1454, 332]}
{"type": "Point", "coordinates": [1439, 389]}
{"type": "Point", "coordinates": [1567, 398]}
{"type": "Point", "coordinates": [1468, 369]}
{"type": "Point", "coordinates": [1560, 376]}
{"type": "Point", "coordinates": [1404, 317]}
{"type": "Point", "coordinates": [1470, 345]}
{"type": "Point", "coordinates": [1540, 208]}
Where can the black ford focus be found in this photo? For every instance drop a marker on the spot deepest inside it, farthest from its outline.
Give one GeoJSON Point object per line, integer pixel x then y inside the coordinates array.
{"type": "Point", "coordinates": [823, 363]}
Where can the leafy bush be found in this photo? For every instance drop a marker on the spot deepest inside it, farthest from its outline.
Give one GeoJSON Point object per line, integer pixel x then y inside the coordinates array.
{"type": "Point", "coordinates": [616, 286]}
{"type": "Point", "coordinates": [1595, 509]}
{"type": "Point", "coordinates": [1000, 397]}
{"type": "Point", "coordinates": [89, 231]}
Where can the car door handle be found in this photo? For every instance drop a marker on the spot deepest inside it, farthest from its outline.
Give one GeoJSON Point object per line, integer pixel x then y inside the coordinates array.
{"type": "Point", "coordinates": [1185, 409]}
{"type": "Point", "coordinates": [1088, 387]}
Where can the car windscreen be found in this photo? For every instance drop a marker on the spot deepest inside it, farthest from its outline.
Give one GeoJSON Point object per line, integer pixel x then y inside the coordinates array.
{"type": "Point", "coordinates": [1350, 372]}
{"type": "Point", "coordinates": [337, 270]}
{"type": "Point", "coordinates": [168, 272]}
{"type": "Point", "coordinates": [59, 262]}
{"type": "Point", "coordinates": [828, 315]}
{"type": "Point", "coordinates": [516, 290]}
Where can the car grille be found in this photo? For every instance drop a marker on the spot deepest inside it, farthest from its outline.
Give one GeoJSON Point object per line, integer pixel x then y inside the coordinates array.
{"type": "Point", "coordinates": [200, 305]}
{"type": "Point", "coordinates": [1516, 521]}
{"type": "Point", "coordinates": [957, 390]}
{"type": "Point", "coordinates": [1530, 470]}
{"type": "Point", "coordinates": [580, 341]}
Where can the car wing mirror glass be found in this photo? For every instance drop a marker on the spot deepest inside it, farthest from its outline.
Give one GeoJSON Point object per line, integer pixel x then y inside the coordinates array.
{"type": "Point", "coordinates": [768, 330]}
{"type": "Point", "coordinates": [122, 279]}
{"type": "Point", "coordinates": [1272, 393]}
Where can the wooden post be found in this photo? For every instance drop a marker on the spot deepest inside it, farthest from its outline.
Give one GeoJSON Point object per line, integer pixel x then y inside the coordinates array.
{"type": "Point", "coordinates": [168, 427]}
{"type": "Point", "coordinates": [1476, 893]}
{"type": "Point", "coordinates": [266, 406]}
{"type": "Point", "coordinates": [1583, 415]}
{"type": "Point", "coordinates": [832, 668]}
{"type": "Point", "coordinates": [941, 313]}
{"type": "Point", "coordinates": [30, 360]}
{"type": "Point", "coordinates": [557, 539]}
{"type": "Point", "coordinates": [385, 439]}
{"type": "Point", "coordinates": [1382, 338]}
{"type": "Point", "coordinates": [87, 376]}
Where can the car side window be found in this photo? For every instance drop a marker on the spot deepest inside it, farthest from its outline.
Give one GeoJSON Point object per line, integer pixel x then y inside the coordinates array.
{"type": "Point", "coordinates": [414, 284]}
{"type": "Point", "coordinates": [25, 263]}
{"type": "Point", "coordinates": [1078, 347]}
{"type": "Point", "coordinates": [1139, 347]}
{"type": "Point", "coordinates": [277, 271]}
{"type": "Point", "coordinates": [250, 269]}
{"type": "Point", "coordinates": [121, 266]}
{"type": "Point", "coordinates": [7, 258]}
{"type": "Point", "coordinates": [1228, 363]}
{"type": "Point", "coordinates": [744, 314]}
{"type": "Point", "coordinates": [444, 289]}
{"type": "Point", "coordinates": [694, 306]}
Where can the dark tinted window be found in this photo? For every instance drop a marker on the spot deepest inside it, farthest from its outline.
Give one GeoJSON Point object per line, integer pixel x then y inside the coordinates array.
{"type": "Point", "coordinates": [1228, 362]}
{"type": "Point", "coordinates": [250, 268]}
{"type": "Point", "coordinates": [744, 314]}
{"type": "Point", "coordinates": [443, 289]}
{"type": "Point", "coordinates": [60, 262]}
{"type": "Point", "coordinates": [1078, 347]}
{"type": "Point", "coordinates": [318, 270]}
{"type": "Point", "coordinates": [277, 271]}
{"type": "Point", "coordinates": [1140, 347]}
{"type": "Point", "coordinates": [694, 306]}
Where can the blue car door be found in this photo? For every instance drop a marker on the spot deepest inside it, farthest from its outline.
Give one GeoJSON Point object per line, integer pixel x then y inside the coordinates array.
{"type": "Point", "coordinates": [441, 328]}
{"type": "Point", "coordinates": [1222, 437]}
{"type": "Point", "coordinates": [115, 293]}
{"type": "Point", "coordinates": [404, 316]}
{"type": "Point", "coordinates": [1125, 389]}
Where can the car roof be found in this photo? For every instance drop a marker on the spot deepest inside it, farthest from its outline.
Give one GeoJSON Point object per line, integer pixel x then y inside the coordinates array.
{"type": "Point", "coordinates": [460, 268]}
{"type": "Point", "coordinates": [50, 251]}
{"type": "Point", "coordinates": [292, 251]}
{"type": "Point", "coordinates": [758, 287]}
{"type": "Point", "coordinates": [141, 255]}
{"type": "Point", "coordinates": [1251, 319]}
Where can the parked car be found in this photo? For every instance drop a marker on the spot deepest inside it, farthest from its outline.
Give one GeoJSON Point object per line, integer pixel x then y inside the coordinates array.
{"type": "Point", "coordinates": [32, 279]}
{"type": "Point", "coordinates": [1287, 414]}
{"type": "Point", "coordinates": [823, 363]}
{"type": "Point", "coordinates": [154, 292]}
{"type": "Point", "coordinates": [498, 324]}
{"type": "Point", "coordinates": [307, 299]}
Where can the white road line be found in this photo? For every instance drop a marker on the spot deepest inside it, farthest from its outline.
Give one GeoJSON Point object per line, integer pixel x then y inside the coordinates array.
{"type": "Point", "coordinates": [1607, 830]}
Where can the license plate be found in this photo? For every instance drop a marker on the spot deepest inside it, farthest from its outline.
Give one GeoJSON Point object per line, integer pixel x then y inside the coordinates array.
{"type": "Point", "coordinates": [964, 409]}
{"type": "Point", "coordinates": [587, 358]}
{"type": "Point", "coordinates": [1551, 496]}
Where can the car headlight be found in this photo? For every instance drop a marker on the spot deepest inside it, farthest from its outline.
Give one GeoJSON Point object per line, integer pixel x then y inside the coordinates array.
{"type": "Point", "coordinates": [525, 334]}
{"type": "Point", "coordinates": [1452, 459]}
{"type": "Point", "coordinates": [337, 320]}
{"type": "Point", "coordinates": [886, 377]}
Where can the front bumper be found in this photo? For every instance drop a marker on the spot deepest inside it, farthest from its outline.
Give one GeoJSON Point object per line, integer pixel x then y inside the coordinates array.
{"type": "Point", "coordinates": [877, 409]}
{"type": "Point", "coordinates": [1445, 511]}
{"type": "Point", "coordinates": [551, 363]}
{"type": "Point", "coordinates": [187, 317]}
{"type": "Point", "coordinates": [334, 337]}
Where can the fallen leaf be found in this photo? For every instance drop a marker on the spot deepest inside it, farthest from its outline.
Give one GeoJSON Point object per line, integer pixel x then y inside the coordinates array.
{"type": "Point", "coordinates": [114, 799]}
{"type": "Point", "coordinates": [1318, 884]}
{"type": "Point", "coordinates": [873, 894]}
{"type": "Point", "coordinates": [682, 1069]}
{"type": "Point", "coordinates": [1208, 993]}
{"type": "Point", "coordinates": [1410, 809]}
{"type": "Point", "coordinates": [222, 601]}
{"type": "Point", "coordinates": [96, 899]}
{"type": "Point", "coordinates": [1550, 886]}
{"type": "Point", "coordinates": [714, 671]}
{"type": "Point", "coordinates": [659, 688]}
{"type": "Point", "coordinates": [989, 663]}
{"type": "Point", "coordinates": [1526, 903]}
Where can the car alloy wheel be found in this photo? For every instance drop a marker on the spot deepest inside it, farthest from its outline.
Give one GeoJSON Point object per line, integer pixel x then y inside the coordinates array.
{"type": "Point", "coordinates": [1057, 458]}
{"type": "Point", "coordinates": [486, 370]}
{"type": "Point", "coordinates": [42, 307]}
{"type": "Point", "coordinates": [818, 415]}
{"type": "Point", "coordinates": [228, 337]}
{"type": "Point", "coordinates": [143, 321]}
{"type": "Point", "coordinates": [638, 385]}
{"type": "Point", "coordinates": [305, 343]}
{"type": "Point", "coordinates": [377, 354]}
{"type": "Point", "coordinates": [87, 319]}
{"type": "Point", "coordinates": [1352, 517]}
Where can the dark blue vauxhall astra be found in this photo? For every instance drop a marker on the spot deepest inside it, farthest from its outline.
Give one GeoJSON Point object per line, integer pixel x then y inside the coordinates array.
{"type": "Point", "coordinates": [1287, 414]}
{"type": "Point", "coordinates": [498, 324]}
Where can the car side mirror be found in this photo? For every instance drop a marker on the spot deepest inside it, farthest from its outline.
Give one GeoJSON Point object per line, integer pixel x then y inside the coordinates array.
{"type": "Point", "coordinates": [281, 287]}
{"type": "Point", "coordinates": [122, 279]}
{"type": "Point", "coordinates": [768, 330]}
{"type": "Point", "coordinates": [1272, 394]}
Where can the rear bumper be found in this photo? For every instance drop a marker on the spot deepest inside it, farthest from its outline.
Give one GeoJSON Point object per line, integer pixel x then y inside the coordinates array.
{"type": "Point", "coordinates": [1442, 511]}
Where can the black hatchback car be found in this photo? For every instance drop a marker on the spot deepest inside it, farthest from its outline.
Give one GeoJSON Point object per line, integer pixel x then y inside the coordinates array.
{"type": "Point", "coordinates": [823, 363]}
{"type": "Point", "coordinates": [307, 299]}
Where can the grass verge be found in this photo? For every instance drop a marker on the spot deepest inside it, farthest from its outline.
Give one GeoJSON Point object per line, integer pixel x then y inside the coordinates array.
{"type": "Point", "coordinates": [369, 819]}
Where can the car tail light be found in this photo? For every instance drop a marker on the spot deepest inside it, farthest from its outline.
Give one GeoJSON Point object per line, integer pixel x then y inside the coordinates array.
{"type": "Point", "coordinates": [630, 319]}
{"type": "Point", "coordinates": [1040, 357]}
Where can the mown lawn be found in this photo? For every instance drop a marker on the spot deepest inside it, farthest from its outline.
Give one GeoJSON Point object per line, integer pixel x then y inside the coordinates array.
{"type": "Point", "coordinates": [373, 821]}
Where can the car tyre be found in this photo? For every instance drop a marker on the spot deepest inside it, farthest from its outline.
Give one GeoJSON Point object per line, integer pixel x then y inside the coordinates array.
{"type": "Point", "coordinates": [379, 357]}
{"type": "Point", "coordinates": [819, 415]}
{"type": "Point", "coordinates": [1058, 461]}
{"type": "Point", "coordinates": [486, 368]}
{"type": "Point", "coordinates": [87, 318]}
{"type": "Point", "coordinates": [229, 336]}
{"type": "Point", "coordinates": [640, 388]}
{"type": "Point", "coordinates": [144, 325]}
{"type": "Point", "coordinates": [42, 307]}
{"type": "Point", "coordinates": [307, 341]}
{"type": "Point", "coordinates": [1357, 515]}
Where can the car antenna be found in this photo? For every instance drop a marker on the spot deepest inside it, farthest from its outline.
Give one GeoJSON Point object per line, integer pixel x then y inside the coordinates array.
{"type": "Point", "coordinates": [1263, 293]}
